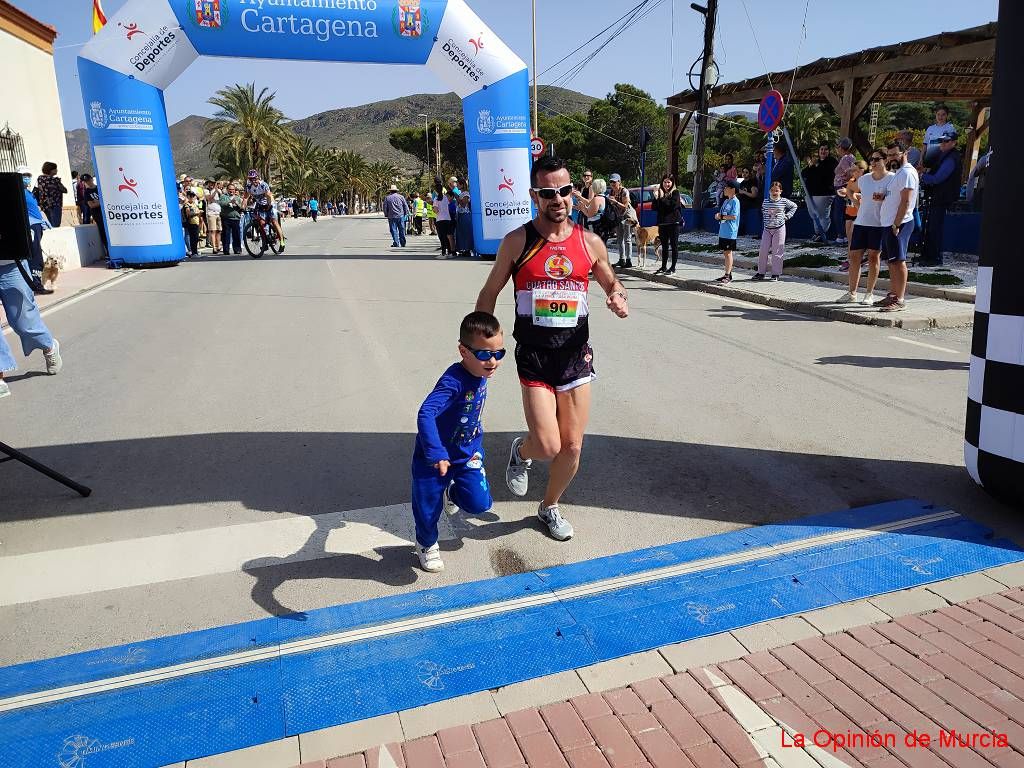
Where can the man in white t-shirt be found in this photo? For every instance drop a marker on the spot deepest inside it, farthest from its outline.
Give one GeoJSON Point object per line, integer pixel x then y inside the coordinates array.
{"type": "Point", "coordinates": [897, 219]}
{"type": "Point", "coordinates": [934, 134]}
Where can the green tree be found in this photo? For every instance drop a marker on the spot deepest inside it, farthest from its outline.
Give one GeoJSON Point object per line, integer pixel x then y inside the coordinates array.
{"type": "Point", "coordinates": [619, 117]}
{"type": "Point", "coordinates": [248, 127]}
{"type": "Point", "coordinates": [453, 144]}
{"type": "Point", "coordinates": [809, 127]}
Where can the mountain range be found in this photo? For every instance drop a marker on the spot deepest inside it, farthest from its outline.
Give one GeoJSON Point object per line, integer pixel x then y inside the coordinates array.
{"type": "Point", "coordinates": [364, 129]}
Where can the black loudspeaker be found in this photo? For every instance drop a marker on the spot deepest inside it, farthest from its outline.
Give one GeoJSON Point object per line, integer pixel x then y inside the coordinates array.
{"type": "Point", "coordinates": [15, 240]}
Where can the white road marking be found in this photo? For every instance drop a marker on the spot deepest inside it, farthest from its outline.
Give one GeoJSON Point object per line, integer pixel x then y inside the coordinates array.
{"type": "Point", "coordinates": [83, 294]}
{"type": "Point", "coordinates": [92, 568]}
{"type": "Point", "coordinates": [926, 346]}
{"type": "Point", "coordinates": [442, 618]}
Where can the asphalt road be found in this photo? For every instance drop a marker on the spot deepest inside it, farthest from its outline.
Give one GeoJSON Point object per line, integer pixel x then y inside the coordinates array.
{"type": "Point", "coordinates": [247, 428]}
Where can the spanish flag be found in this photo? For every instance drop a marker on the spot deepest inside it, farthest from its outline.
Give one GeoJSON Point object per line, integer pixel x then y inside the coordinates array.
{"type": "Point", "coordinates": [99, 18]}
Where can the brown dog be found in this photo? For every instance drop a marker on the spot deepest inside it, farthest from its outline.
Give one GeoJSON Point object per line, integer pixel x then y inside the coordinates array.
{"type": "Point", "coordinates": [51, 269]}
{"type": "Point", "coordinates": [646, 236]}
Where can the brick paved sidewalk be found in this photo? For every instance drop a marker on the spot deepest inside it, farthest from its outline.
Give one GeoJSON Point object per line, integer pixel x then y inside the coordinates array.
{"type": "Point", "coordinates": [959, 667]}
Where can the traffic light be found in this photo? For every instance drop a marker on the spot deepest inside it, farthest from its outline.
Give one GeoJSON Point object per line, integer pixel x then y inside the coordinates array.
{"type": "Point", "coordinates": [645, 139]}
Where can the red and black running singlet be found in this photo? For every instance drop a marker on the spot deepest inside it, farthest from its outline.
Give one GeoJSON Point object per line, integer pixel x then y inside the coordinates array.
{"type": "Point", "coordinates": [551, 281]}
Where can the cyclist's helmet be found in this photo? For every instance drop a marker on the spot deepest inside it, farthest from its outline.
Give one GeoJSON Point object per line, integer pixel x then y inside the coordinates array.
{"type": "Point", "coordinates": [253, 174]}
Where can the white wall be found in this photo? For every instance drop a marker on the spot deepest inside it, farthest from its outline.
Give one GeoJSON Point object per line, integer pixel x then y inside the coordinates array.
{"type": "Point", "coordinates": [30, 105]}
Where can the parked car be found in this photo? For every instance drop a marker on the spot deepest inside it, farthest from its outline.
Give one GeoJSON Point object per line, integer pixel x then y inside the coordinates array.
{"type": "Point", "coordinates": [647, 216]}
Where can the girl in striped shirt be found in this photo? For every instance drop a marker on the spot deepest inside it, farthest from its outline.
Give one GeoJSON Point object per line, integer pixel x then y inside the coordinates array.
{"type": "Point", "coordinates": [775, 212]}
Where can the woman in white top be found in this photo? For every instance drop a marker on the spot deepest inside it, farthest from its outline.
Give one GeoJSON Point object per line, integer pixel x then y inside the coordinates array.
{"type": "Point", "coordinates": [591, 207]}
{"type": "Point", "coordinates": [867, 227]}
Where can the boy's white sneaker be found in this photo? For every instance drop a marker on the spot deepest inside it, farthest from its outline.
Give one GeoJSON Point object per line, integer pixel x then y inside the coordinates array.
{"type": "Point", "coordinates": [868, 300]}
{"type": "Point", "coordinates": [847, 298]}
{"type": "Point", "coordinates": [430, 558]}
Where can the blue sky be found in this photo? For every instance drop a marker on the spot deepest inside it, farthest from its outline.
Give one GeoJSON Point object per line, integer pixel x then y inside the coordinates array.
{"type": "Point", "coordinates": [642, 55]}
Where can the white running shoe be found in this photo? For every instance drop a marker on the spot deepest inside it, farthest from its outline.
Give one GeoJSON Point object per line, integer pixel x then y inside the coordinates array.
{"type": "Point", "coordinates": [868, 300]}
{"type": "Point", "coordinates": [450, 507]}
{"type": "Point", "coordinates": [847, 298]}
{"type": "Point", "coordinates": [558, 526]}
{"type": "Point", "coordinates": [430, 558]}
{"type": "Point", "coordinates": [53, 361]}
{"type": "Point", "coordinates": [4, 389]}
{"type": "Point", "coordinates": [517, 476]}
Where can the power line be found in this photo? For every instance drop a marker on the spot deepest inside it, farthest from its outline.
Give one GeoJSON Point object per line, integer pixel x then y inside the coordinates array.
{"type": "Point", "coordinates": [796, 62]}
{"type": "Point", "coordinates": [588, 127]}
{"type": "Point", "coordinates": [592, 39]}
{"type": "Point", "coordinates": [757, 44]}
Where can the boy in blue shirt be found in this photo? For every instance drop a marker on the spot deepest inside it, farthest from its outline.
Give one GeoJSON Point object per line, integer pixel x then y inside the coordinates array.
{"type": "Point", "coordinates": [448, 463]}
{"type": "Point", "coordinates": [729, 228]}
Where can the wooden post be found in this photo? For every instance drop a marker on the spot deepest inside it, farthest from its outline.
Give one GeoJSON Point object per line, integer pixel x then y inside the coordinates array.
{"type": "Point", "coordinates": [846, 116]}
{"type": "Point", "coordinates": [673, 145]}
{"type": "Point", "coordinates": [979, 124]}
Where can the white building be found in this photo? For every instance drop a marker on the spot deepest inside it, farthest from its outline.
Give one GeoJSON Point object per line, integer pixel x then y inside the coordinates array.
{"type": "Point", "coordinates": [30, 108]}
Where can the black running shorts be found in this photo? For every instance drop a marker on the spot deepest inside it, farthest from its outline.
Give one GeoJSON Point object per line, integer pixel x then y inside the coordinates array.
{"type": "Point", "coordinates": [558, 370]}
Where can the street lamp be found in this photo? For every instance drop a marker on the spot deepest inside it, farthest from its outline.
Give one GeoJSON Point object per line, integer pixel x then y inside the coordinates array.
{"type": "Point", "coordinates": [426, 137]}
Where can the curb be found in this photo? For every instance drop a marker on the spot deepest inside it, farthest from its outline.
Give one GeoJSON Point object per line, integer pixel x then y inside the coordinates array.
{"type": "Point", "coordinates": [961, 295]}
{"type": "Point", "coordinates": [807, 308]}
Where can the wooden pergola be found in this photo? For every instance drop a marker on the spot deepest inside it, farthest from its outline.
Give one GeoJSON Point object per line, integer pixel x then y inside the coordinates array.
{"type": "Point", "coordinates": [950, 66]}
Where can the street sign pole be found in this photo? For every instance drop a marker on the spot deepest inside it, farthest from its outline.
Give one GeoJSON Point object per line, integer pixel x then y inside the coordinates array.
{"type": "Point", "coordinates": [769, 116]}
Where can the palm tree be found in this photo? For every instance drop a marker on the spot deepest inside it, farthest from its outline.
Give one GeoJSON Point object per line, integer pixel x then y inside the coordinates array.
{"type": "Point", "coordinates": [376, 178]}
{"type": "Point", "coordinates": [247, 127]}
{"type": "Point", "coordinates": [347, 168]}
{"type": "Point", "coordinates": [808, 128]}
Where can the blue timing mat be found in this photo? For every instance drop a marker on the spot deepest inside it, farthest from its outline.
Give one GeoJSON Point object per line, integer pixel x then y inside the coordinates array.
{"type": "Point", "coordinates": [201, 693]}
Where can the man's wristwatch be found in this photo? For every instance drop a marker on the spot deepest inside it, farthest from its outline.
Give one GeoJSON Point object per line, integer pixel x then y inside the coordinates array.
{"type": "Point", "coordinates": [619, 293]}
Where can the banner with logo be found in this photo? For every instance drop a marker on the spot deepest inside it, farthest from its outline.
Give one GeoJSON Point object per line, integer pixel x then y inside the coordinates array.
{"type": "Point", "coordinates": [134, 168]}
{"type": "Point", "coordinates": [145, 40]}
{"type": "Point", "coordinates": [148, 43]}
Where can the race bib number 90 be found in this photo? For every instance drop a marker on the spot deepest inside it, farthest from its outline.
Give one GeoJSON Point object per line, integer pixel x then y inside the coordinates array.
{"type": "Point", "coordinates": [556, 309]}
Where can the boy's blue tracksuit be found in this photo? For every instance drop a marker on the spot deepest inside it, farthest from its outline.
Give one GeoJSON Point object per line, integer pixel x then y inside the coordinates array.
{"type": "Point", "coordinates": [449, 428]}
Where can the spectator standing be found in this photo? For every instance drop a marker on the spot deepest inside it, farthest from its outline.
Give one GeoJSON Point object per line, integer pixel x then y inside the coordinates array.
{"type": "Point", "coordinates": [818, 177]}
{"type": "Point", "coordinates": [443, 218]}
{"type": "Point", "coordinates": [728, 173]}
{"type": "Point", "coordinates": [775, 212]}
{"type": "Point", "coordinates": [867, 227]}
{"type": "Point", "coordinates": [314, 208]}
{"type": "Point", "coordinates": [231, 208]}
{"type": "Point", "coordinates": [91, 195]}
{"type": "Point", "coordinates": [23, 315]}
{"type": "Point", "coordinates": [586, 192]}
{"type": "Point", "coordinates": [84, 210]}
{"type": "Point", "coordinates": [933, 135]}
{"type": "Point", "coordinates": [668, 205]}
{"type": "Point", "coordinates": [976, 181]}
{"type": "Point", "coordinates": [914, 155]}
{"type": "Point", "coordinates": [191, 216]}
{"type": "Point", "coordinates": [395, 211]}
{"type": "Point", "coordinates": [782, 169]}
{"type": "Point", "coordinates": [591, 208]}
{"type": "Point", "coordinates": [37, 222]}
{"type": "Point", "coordinates": [749, 194]}
{"type": "Point", "coordinates": [618, 199]}
{"type": "Point", "coordinates": [51, 194]}
{"type": "Point", "coordinates": [850, 196]}
{"type": "Point", "coordinates": [841, 175]}
{"type": "Point", "coordinates": [430, 213]}
{"type": "Point", "coordinates": [453, 187]}
{"type": "Point", "coordinates": [214, 224]}
{"type": "Point", "coordinates": [76, 188]}
{"type": "Point", "coordinates": [464, 244]}
{"type": "Point", "coordinates": [419, 210]}
{"type": "Point", "coordinates": [943, 185]}
{"type": "Point", "coordinates": [897, 217]}
{"type": "Point", "coordinates": [729, 227]}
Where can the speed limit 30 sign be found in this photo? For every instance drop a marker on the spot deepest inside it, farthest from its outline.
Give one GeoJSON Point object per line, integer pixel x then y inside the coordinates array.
{"type": "Point", "coordinates": [537, 147]}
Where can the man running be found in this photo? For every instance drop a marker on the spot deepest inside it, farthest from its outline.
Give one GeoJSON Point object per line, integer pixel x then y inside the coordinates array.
{"type": "Point", "coordinates": [549, 259]}
{"type": "Point", "coordinates": [258, 193]}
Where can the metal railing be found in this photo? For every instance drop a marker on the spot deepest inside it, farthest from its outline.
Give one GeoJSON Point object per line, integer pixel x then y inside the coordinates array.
{"type": "Point", "coordinates": [12, 150]}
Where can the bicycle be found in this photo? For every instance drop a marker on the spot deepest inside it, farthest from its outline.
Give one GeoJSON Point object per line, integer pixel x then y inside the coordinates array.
{"type": "Point", "coordinates": [258, 234]}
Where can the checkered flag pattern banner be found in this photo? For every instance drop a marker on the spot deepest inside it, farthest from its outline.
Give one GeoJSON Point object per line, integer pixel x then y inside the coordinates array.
{"type": "Point", "coordinates": [994, 435]}
{"type": "Point", "coordinates": [994, 450]}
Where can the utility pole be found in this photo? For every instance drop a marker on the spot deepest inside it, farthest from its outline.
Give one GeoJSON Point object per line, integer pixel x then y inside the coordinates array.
{"type": "Point", "coordinates": [709, 13]}
{"type": "Point", "coordinates": [426, 136]}
{"type": "Point", "coordinates": [535, 133]}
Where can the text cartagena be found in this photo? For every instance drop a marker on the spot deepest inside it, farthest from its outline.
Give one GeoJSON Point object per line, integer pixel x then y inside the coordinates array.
{"type": "Point", "coordinates": [256, 19]}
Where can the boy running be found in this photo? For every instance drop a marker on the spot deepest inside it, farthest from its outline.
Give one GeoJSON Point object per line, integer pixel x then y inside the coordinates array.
{"type": "Point", "coordinates": [448, 463]}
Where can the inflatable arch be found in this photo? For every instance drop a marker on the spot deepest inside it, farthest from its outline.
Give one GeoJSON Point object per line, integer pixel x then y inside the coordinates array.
{"type": "Point", "coordinates": [148, 43]}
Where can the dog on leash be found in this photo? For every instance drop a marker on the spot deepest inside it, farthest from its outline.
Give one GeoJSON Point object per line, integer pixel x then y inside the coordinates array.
{"type": "Point", "coordinates": [646, 236]}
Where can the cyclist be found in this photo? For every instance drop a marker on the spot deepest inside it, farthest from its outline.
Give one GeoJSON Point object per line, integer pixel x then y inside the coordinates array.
{"type": "Point", "coordinates": [258, 195]}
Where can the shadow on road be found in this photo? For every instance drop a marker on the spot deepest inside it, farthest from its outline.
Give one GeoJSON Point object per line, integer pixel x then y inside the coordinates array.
{"type": "Point", "coordinates": [316, 473]}
{"type": "Point", "coordinates": [894, 362]}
